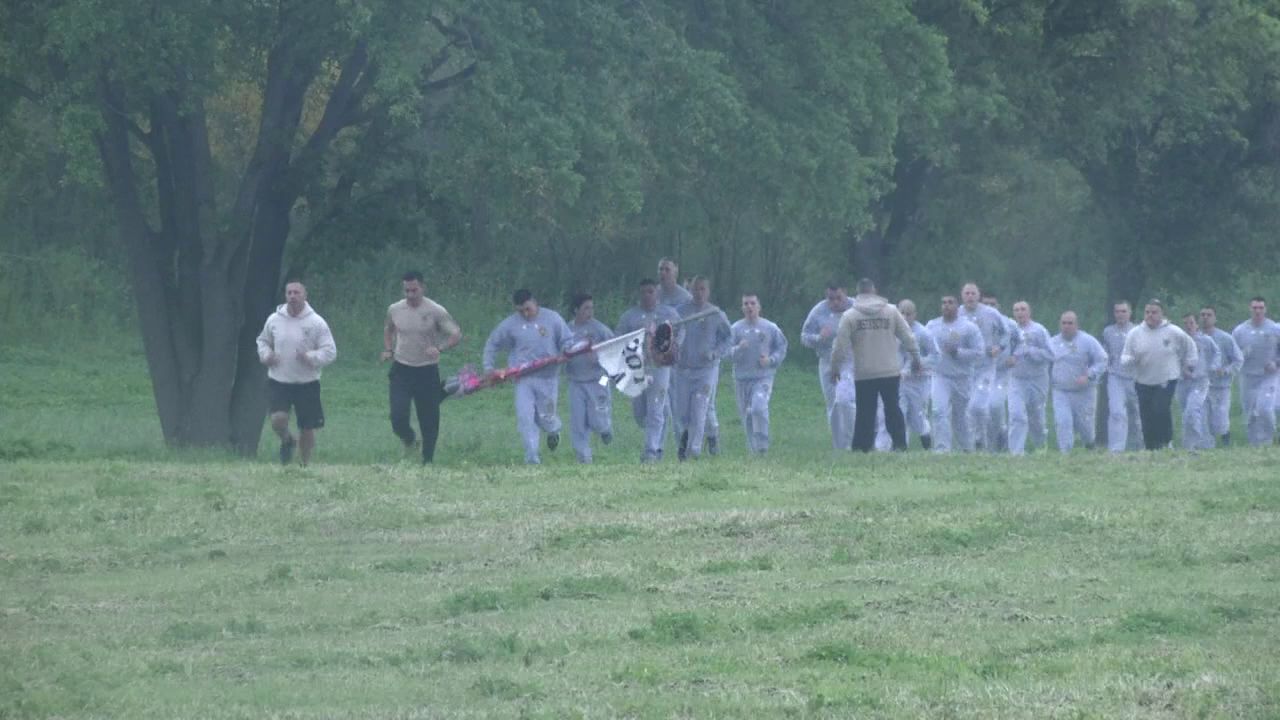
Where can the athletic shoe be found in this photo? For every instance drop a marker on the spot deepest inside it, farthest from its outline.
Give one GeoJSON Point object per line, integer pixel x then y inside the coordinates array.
{"type": "Point", "coordinates": [286, 450]}
{"type": "Point", "coordinates": [713, 444]}
{"type": "Point", "coordinates": [683, 451]}
{"type": "Point", "coordinates": [926, 441]}
{"type": "Point", "coordinates": [553, 440]}
{"type": "Point", "coordinates": [606, 438]}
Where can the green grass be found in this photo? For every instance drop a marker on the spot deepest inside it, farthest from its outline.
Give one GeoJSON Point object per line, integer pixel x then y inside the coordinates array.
{"type": "Point", "coordinates": [137, 583]}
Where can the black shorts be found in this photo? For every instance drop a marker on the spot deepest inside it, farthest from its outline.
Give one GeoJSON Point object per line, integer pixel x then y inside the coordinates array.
{"type": "Point", "coordinates": [304, 398]}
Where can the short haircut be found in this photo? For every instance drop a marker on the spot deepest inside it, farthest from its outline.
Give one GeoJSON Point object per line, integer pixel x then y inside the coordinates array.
{"type": "Point", "coordinates": [411, 276]}
{"type": "Point", "coordinates": [1189, 315]}
{"type": "Point", "coordinates": [521, 296]}
{"type": "Point", "coordinates": [749, 293]}
{"type": "Point", "coordinates": [866, 285]}
{"type": "Point", "coordinates": [906, 303]}
{"type": "Point", "coordinates": [295, 281]}
{"type": "Point", "coordinates": [666, 259]}
{"type": "Point", "coordinates": [1157, 303]}
{"type": "Point", "coordinates": [1125, 303]}
{"type": "Point", "coordinates": [952, 298]}
{"type": "Point", "coordinates": [699, 279]}
{"type": "Point", "coordinates": [576, 301]}
{"type": "Point", "coordinates": [834, 284]}
{"type": "Point", "coordinates": [1209, 307]}
{"type": "Point", "coordinates": [1258, 298]}
{"type": "Point", "coordinates": [647, 282]}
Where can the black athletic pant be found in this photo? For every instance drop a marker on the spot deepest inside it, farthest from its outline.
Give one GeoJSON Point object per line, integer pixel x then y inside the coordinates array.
{"type": "Point", "coordinates": [1154, 403]}
{"type": "Point", "coordinates": [421, 386]}
{"type": "Point", "coordinates": [866, 393]}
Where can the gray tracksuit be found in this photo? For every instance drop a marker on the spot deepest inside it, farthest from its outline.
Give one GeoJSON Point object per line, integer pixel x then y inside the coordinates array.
{"type": "Point", "coordinates": [1258, 377]}
{"type": "Point", "coordinates": [754, 382]}
{"type": "Point", "coordinates": [650, 408]}
{"type": "Point", "coordinates": [913, 391]}
{"type": "Point", "coordinates": [1193, 391]}
{"type": "Point", "coordinates": [1029, 388]}
{"type": "Point", "coordinates": [702, 343]}
{"type": "Point", "coordinates": [590, 403]}
{"type": "Point", "coordinates": [995, 333]}
{"type": "Point", "coordinates": [1124, 424]}
{"type": "Point", "coordinates": [536, 393]}
{"type": "Point", "coordinates": [1075, 405]}
{"type": "Point", "coordinates": [960, 349]}
{"type": "Point", "coordinates": [1218, 405]}
{"type": "Point", "coordinates": [839, 414]}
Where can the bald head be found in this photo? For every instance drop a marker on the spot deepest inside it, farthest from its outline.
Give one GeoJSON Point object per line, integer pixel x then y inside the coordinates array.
{"type": "Point", "coordinates": [1068, 325]}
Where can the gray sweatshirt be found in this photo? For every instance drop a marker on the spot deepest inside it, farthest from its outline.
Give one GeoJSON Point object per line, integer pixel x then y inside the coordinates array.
{"type": "Point", "coordinates": [1113, 342]}
{"type": "Point", "coordinates": [928, 352]}
{"type": "Point", "coordinates": [675, 298]}
{"type": "Point", "coordinates": [1081, 355]}
{"type": "Point", "coordinates": [702, 342]}
{"type": "Point", "coordinates": [762, 338]}
{"type": "Point", "coordinates": [1032, 356]}
{"type": "Point", "coordinates": [995, 333]}
{"type": "Point", "coordinates": [1209, 357]}
{"type": "Point", "coordinates": [822, 316]}
{"type": "Point", "coordinates": [584, 368]}
{"type": "Point", "coordinates": [1257, 345]}
{"type": "Point", "coordinates": [526, 340]}
{"type": "Point", "coordinates": [1231, 359]}
{"type": "Point", "coordinates": [965, 338]}
{"type": "Point", "coordinates": [637, 317]}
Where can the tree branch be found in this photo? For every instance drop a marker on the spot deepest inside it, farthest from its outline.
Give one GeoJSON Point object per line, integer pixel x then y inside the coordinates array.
{"type": "Point", "coordinates": [451, 80]}
{"type": "Point", "coordinates": [339, 111]}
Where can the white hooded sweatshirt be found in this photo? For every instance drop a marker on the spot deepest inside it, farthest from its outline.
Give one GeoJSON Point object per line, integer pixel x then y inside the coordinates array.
{"type": "Point", "coordinates": [284, 335]}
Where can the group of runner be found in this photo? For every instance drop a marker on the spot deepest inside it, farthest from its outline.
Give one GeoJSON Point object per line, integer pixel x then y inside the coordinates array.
{"type": "Point", "coordinates": [969, 380]}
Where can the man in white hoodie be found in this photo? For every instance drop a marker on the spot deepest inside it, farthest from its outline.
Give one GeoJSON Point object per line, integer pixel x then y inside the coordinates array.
{"type": "Point", "coordinates": [1158, 353]}
{"type": "Point", "coordinates": [295, 343]}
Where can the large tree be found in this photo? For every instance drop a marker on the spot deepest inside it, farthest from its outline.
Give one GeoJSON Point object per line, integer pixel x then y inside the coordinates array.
{"type": "Point", "coordinates": [135, 80]}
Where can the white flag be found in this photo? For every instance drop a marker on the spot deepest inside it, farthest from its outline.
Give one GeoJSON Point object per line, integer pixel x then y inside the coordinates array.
{"type": "Point", "coordinates": [623, 360]}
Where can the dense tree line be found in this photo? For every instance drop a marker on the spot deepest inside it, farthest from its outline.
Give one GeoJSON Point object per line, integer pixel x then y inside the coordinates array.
{"type": "Point", "coordinates": [1073, 149]}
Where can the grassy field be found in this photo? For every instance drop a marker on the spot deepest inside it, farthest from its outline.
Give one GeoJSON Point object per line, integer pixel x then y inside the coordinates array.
{"type": "Point", "coordinates": [136, 583]}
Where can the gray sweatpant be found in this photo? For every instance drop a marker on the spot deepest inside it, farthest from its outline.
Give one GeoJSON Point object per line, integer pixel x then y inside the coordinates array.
{"type": "Point", "coordinates": [1074, 412]}
{"type": "Point", "coordinates": [951, 399]}
{"type": "Point", "coordinates": [839, 414]}
{"type": "Point", "coordinates": [1124, 424]}
{"type": "Point", "coordinates": [1258, 396]}
{"type": "Point", "coordinates": [1192, 396]}
{"type": "Point", "coordinates": [1027, 399]}
{"type": "Point", "coordinates": [694, 391]}
{"type": "Point", "coordinates": [753, 410]}
{"type": "Point", "coordinates": [590, 410]}
{"type": "Point", "coordinates": [536, 399]}
{"type": "Point", "coordinates": [650, 412]}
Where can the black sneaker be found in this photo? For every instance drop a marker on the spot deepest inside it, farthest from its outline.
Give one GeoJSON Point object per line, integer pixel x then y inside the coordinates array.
{"type": "Point", "coordinates": [553, 440]}
{"type": "Point", "coordinates": [713, 445]}
{"type": "Point", "coordinates": [683, 452]}
{"type": "Point", "coordinates": [606, 438]}
{"type": "Point", "coordinates": [926, 442]}
{"type": "Point", "coordinates": [286, 450]}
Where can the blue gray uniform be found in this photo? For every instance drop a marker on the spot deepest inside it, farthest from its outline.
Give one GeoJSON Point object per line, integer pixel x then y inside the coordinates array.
{"type": "Point", "coordinates": [839, 412]}
{"type": "Point", "coordinates": [674, 298]}
{"type": "Point", "coordinates": [702, 343]}
{"type": "Point", "coordinates": [650, 408]}
{"type": "Point", "coordinates": [755, 383]}
{"type": "Point", "coordinates": [959, 350]}
{"type": "Point", "coordinates": [1218, 405]}
{"type": "Point", "coordinates": [536, 393]}
{"type": "Point", "coordinates": [1258, 345]}
{"type": "Point", "coordinates": [1194, 390]}
{"type": "Point", "coordinates": [590, 403]}
{"type": "Point", "coordinates": [1029, 388]}
{"type": "Point", "coordinates": [913, 392]}
{"type": "Point", "coordinates": [1075, 405]}
{"type": "Point", "coordinates": [995, 334]}
{"type": "Point", "coordinates": [1124, 424]}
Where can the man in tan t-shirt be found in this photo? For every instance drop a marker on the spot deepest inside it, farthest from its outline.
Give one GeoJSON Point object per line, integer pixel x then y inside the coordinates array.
{"type": "Point", "coordinates": [416, 331]}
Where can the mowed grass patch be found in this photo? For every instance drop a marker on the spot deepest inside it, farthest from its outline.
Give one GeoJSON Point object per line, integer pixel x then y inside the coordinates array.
{"type": "Point", "coordinates": [907, 587]}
